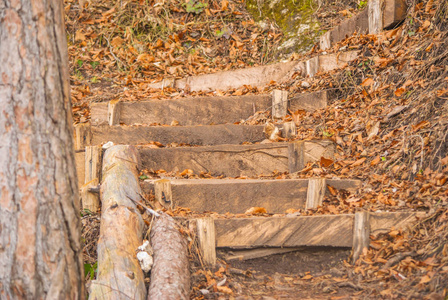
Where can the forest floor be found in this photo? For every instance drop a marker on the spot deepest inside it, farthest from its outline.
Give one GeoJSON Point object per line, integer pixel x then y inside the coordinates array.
{"type": "Point", "coordinates": [388, 116]}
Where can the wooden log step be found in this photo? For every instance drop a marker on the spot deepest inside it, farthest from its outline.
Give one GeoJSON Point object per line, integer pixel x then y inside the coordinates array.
{"type": "Point", "coordinates": [377, 16]}
{"type": "Point", "coordinates": [187, 111]}
{"type": "Point", "coordinates": [192, 135]}
{"type": "Point", "coordinates": [323, 230]}
{"type": "Point", "coordinates": [238, 195]}
{"type": "Point", "coordinates": [261, 76]}
{"type": "Point", "coordinates": [237, 160]}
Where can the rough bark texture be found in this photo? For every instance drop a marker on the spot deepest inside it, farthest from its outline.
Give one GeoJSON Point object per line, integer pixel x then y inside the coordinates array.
{"type": "Point", "coordinates": [170, 274]}
{"type": "Point", "coordinates": [119, 273]}
{"type": "Point", "coordinates": [40, 249]}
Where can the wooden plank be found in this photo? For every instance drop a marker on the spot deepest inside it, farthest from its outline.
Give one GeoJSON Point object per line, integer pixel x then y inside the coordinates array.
{"type": "Point", "coordinates": [394, 12]}
{"type": "Point", "coordinates": [238, 195]}
{"type": "Point", "coordinates": [316, 192]}
{"type": "Point", "coordinates": [255, 76]}
{"type": "Point", "coordinates": [324, 230]}
{"type": "Point", "coordinates": [361, 234]}
{"type": "Point", "coordinates": [90, 201]}
{"type": "Point", "coordinates": [312, 66]}
{"type": "Point", "coordinates": [296, 160]}
{"type": "Point", "coordinates": [279, 104]}
{"type": "Point", "coordinates": [191, 135]}
{"type": "Point", "coordinates": [82, 136]}
{"type": "Point", "coordinates": [186, 111]}
{"type": "Point", "coordinates": [114, 112]}
{"type": "Point", "coordinates": [93, 160]}
{"type": "Point", "coordinates": [163, 193]}
{"type": "Point", "coordinates": [375, 16]}
{"type": "Point", "coordinates": [80, 168]}
{"type": "Point", "coordinates": [289, 130]}
{"type": "Point", "coordinates": [232, 160]}
{"type": "Point", "coordinates": [335, 61]}
{"type": "Point", "coordinates": [207, 240]}
{"type": "Point", "coordinates": [383, 222]}
{"type": "Point", "coordinates": [309, 101]}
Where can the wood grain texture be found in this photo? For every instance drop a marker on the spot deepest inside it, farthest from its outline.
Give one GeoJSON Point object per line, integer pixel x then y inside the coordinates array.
{"type": "Point", "coordinates": [80, 167]}
{"type": "Point", "coordinates": [316, 192]}
{"type": "Point", "coordinates": [187, 111]}
{"type": "Point", "coordinates": [90, 201]}
{"type": "Point", "coordinates": [309, 101]}
{"type": "Point", "coordinates": [383, 222]}
{"type": "Point", "coordinates": [114, 112]}
{"type": "Point", "coordinates": [375, 16]}
{"type": "Point", "coordinates": [207, 240]}
{"type": "Point", "coordinates": [361, 234]}
{"type": "Point", "coordinates": [238, 195]}
{"type": "Point", "coordinates": [163, 193]}
{"type": "Point", "coordinates": [192, 135]}
{"type": "Point", "coordinates": [232, 160]}
{"type": "Point", "coordinates": [119, 274]}
{"type": "Point", "coordinates": [170, 274]}
{"type": "Point", "coordinates": [279, 103]}
{"type": "Point", "coordinates": [93, 161]}
{"type": "Point", "coordinates": [334, 61]}
{"type": "Point", "coordinates": [326, 230]}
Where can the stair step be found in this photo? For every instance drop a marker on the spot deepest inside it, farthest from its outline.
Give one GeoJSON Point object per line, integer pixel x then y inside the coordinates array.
{"type": "Point", "coordinates": [321, 230]}
{"type": "Point", "coordinates": [376, 17]}
{"type": "Point", "coordinates": [192, 135]}
{"type": "Point", "coordinates": [261, 76]}
{"type": "Point", "coordinates": [237, 195]}
{"type": "Point", "coordinates": [237, 160]}
{"type": "Point", "coordinates": [199, 111]}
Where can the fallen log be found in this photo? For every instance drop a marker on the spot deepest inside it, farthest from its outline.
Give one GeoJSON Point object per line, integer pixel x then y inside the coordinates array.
{"type": "Point", "coordinates": [119, 273]}
{"type": "Point", "coordinates": [170, 274]}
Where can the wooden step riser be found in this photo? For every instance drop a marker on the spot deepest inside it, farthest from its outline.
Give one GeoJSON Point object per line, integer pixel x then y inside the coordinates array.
{"type": "Point", "coordinates": [377, 16]}
{"type": "Point", "coordinates": [197, 111]}
{"type": "Point", "coordinates": [261, 76]}
{"type": "Point", "coordinates": [236, 196]}
{"type": "Point", "coordinates": [191, 135]}
{"type": "Point", "coordinates": [293, 232]}
{"type": "Point", "coordinates": [237, 160]}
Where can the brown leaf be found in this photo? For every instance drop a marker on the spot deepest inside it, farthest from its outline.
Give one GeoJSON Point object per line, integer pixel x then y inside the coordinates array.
{"type": "Point", "coordinates": [358, 162]}
{"type": "Point", "coordinates": [420, 125]}
{"type": "Point", "coordinates": [375, 161]}
{"type": "Point", "coordinates": [367, 82]}
{"type": "Point", "coordinates": [326, 162]}
{"type": "Point", "coordinates": [399, 92]}
{"type": "Point", "coordinates": [225, 290]}
{"type": "Point", "coordinates": [256, 210]}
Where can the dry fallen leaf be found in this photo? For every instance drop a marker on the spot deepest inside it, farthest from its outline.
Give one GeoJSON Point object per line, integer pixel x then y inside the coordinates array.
{"type": "Point", "coordinates": [256, 210]}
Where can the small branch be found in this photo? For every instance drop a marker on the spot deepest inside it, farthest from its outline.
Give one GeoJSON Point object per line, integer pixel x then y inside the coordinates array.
{"type": "Point", "coordinates": [151, 211]}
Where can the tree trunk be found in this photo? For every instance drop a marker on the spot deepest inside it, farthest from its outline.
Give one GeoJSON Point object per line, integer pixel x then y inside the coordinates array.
{"type": "Point", "coordinates": [170, 274]}
{"type": "Point", "coordinates": [40, 248]}
{"type": "Point", "coordinates": [119, 273]}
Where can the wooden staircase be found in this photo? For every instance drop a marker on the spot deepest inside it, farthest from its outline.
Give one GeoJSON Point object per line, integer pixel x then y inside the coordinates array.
{"type": "Point", "coordinates": [210, 140]}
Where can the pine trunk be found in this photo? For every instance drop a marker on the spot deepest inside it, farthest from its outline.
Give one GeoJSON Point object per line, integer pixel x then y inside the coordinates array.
{"type": "Point", "coordinates": [40, 248]}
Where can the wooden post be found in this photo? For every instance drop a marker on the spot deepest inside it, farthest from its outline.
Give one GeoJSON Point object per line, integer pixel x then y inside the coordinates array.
{"type": "Point", "coordinates": [93, 163]}
{"type": "Point", "coordinates": [325, 41]}
{"type": "Point", "coordinates": [207, 240]}
{"type": "Point", "coordinates": [90, 201]}
{"type": "Point", "coordinates": [316, 192]}
{"type": "Point", "coordinates": [312, 66]}
{"type": "Point", "coordinates": [361, 233]}
{"type": "Point", "coordinates": [163, 193]}
{"type": "Point", "coordinates": [289, 130]}
{"type": "Point", "coordinates": [375, 16]}
{"type": "Point", "coordinates": [83, 136]}
{"type": "Point", "coordinates": [296, 160]}
{"type": "Point", "coordinates": [168, 83]}
{"type": "Point", "coordinates": [113, 112]}
{"type": "Point", "coordinates": [119, 273]}
{"type": "Point", "coordinates": [279, 104]}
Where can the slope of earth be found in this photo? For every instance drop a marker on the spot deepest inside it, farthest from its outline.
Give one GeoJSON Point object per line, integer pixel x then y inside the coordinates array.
{"type": "Point", "coordinates": [388, 118]}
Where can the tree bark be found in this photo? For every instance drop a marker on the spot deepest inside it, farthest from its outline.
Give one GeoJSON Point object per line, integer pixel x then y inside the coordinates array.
{"type": "Point", "coordinates": [170, 274]}
{"type": "Point", "coordinates": [119, 273]}
{"type": "Point", "coordinates": [40, 248]}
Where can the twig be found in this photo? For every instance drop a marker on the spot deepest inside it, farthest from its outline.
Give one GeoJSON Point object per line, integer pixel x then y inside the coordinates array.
{"type": "Point", "coordinates": [151, 211]}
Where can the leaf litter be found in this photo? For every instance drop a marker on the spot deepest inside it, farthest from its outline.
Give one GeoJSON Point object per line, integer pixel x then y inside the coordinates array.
{"type": "Point", "coordinates": [387, 117]}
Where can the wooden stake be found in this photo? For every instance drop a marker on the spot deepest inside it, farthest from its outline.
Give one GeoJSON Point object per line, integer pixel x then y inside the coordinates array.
{"type": "Point", "coordinates": [113, 112]}
{"type": "Point", "coordinates": [325, 41]}
{"type": "Point", "coordinates": [296, 161]}
{"type": "Point", "coordinates": [375, 16]}
{"type": "Point", "coordinates": [163, 193]}
{"type": "Point", "coordinates": [83, 136]}
{"type": "Point", "coordinates": [361, 234]}
{"type": "Point", "coordinates": [312, 66]}
{"type": "Point", "coordinates": [289, 130]}
{"type": "Point", "coordinates": [207, 240]}
{"type": "Point", "coordinates": [93, 163]}
{"type": "Point", "coordinates": [90, 201]}
{"type": "Point", "coordinates": [316, 192]}
{"type": "Point", "coordinates": [279, 104]}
